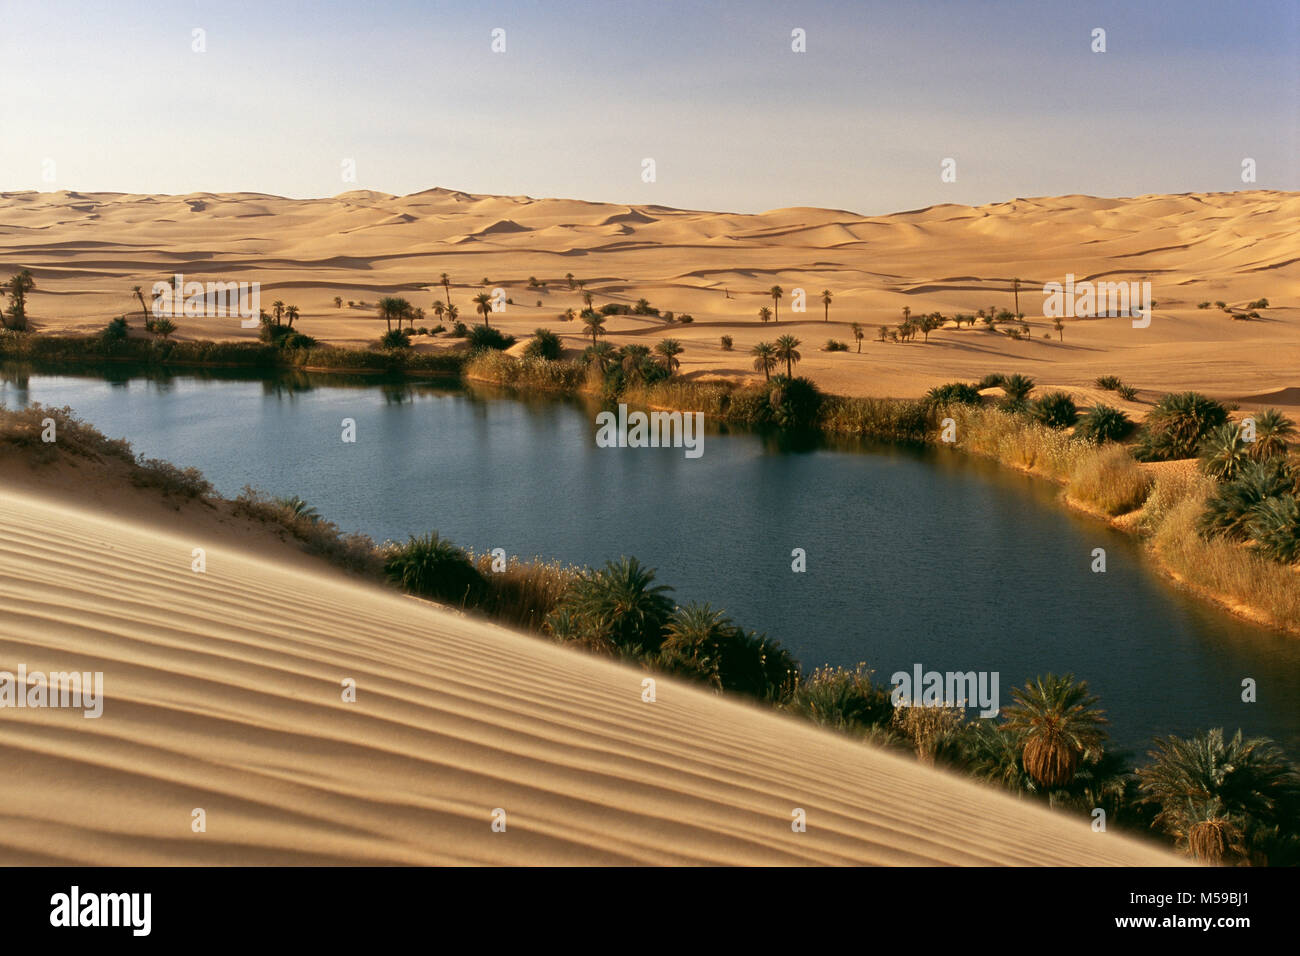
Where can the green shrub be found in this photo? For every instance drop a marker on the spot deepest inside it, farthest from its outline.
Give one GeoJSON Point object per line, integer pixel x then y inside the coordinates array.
{"type": "Point", "coordinates": [433, 568]}
{"type": "Point", "coordinates": [1128, 393]}
{"type": "Point", "coordinates": [992, 380]}
{"type": "Point", "coordinates": [396, 339]}
{"type": "Point", "coordinates": [726, 343]}
{"type": "Point", "coordinates": [1232, 506]}
{"type": "Point", "coordinates": [705, 645]}
{"type": "Point", "coordinates": [1103, 423]}
{"type": "Point", "coordinates": [544, 344]}
{"type": "Point", "coordinates": [116, 330]}
{"type": "Point", "coordinates": [1275, 526]}
{"type": "Point", "coordinates": [1222, 452]}
{"type": "Point", "coordinates": [1109, 382]}
{"type": "Point", "coordinates": [954, 393]}
{"type": "Point", "coordinates": [842, 699]}
{"type": "Point", "coordinates": [618, 609]}
{"type": "Point", "coordinates": [486, 337]}
{"type": "Point", "coordinates": [795, 402]}
{"type": "Point", "coordinates": [835, 346]}
{"type": "Point", "coordinates": [1055, 410]}
{"type": "Point", "coordinates": [1176, 425]}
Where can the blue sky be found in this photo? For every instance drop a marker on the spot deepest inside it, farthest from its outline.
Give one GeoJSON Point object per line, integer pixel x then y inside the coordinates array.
{"type": "Point", "coordinates": [115, 96]}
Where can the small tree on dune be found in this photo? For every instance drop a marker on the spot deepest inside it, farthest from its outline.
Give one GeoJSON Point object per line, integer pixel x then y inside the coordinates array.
{"type": "Point", "coordinates": [826, 304]}
{"type": "Point", "coordinates": [144, 310]}
{"type": "Point", "coordinates": [595, 323]}
{"type": "Point", "coordinates": [858, 334]}
{"type": "Point", "coordinates": [668, 350]}
{"type": "Point", "coordinates": [764, 314]}
{"type": "Point", "coordinates": [776, 292]}
{"type": "Point", "coordinates": [390, 308]}
{"type": "Point", "coordinates": [764, 358]}
{"type": "Point", "coordinates": [483, 303]}
{"type": "Point", "coordinates": [446, 286]}
{"type": "Point", "coordinates": [787, 350]}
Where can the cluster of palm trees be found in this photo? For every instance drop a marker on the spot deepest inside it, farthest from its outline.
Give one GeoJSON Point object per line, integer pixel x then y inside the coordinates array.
{"type": "Point", "coordinates": [396, 309]}
{"type": "Point", "coordinates": [637, 362]}
{"type": "Point", "coordinates": [769, 355]}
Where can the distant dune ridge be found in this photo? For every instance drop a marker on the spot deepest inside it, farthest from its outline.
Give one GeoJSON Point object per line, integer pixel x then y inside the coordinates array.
{"type": "Point", "coordinates": [223, 692]}
{"type": "Point", "coordinates": [87, 250]}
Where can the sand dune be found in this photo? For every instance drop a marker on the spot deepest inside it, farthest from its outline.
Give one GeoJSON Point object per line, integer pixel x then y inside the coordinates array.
{"type": "Point", "coordinates": [223, 692]}
{"type": "Point", "coordinates": [87, 251]}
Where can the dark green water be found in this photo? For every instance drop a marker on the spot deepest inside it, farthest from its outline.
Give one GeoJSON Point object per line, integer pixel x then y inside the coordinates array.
{"type": "Point", "coordinates": [913, 556]}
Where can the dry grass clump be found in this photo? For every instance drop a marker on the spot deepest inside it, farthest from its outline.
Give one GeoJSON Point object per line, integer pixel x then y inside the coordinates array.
{"type": "Point", "coordinates": [1110, 479]}
{"type": "Point", "coordinates": [26, 428]}
{"type": "Point", "coordinates": [29, 428]}
{"type": "Point", "coordinates": [525, 592]}
{"type": "Point", "coordinates": [1012, 440]}
{"type": "Point", "coordinates": [712, 398]}
{"type": "Point", "coordinates": [353, 552]}
{"type": "Point", "coordinates": [930, 729]}
{"type": "Point", "coordinates": [1226, 570]}
{"type": "Point", "coordinates": [497, 368]}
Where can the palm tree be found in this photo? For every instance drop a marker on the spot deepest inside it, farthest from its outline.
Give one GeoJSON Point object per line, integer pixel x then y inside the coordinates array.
{"type": "Point", "coordinates": [438, 309]}
{"type": "Point", "coordinates": [19, 285]}
{"type": "Point", "coordinates": [776, 292]}
{"type": "Point", "coordinates": [1223, 453]}
{"type": "Point", "coordinates": [586, 298]}
{"type": "Point", "coordinates": [338, 302]}
{"type": "Point", "coordinates": [390, 308]}
{"type": "Point", "coordinates": [140, 295]}
{"type": "Point", "coordinates": [765, 314]}
{"type": "Point", "coordinates": [668, 350]}
{"type": "Point", "coordinates": [1273, 431]}
{"type": "Point", "coordinates": [446, 286]}
{"type": "Point", "coordinates": [601, 355]}
{"type": "Point", "coordinates": [634, 362]}
{"type": "Point", "coordinates": [1017, 387]}
{"type": "Point", "coordinates": [291, 313]}
{"type": "Point", "coordinates": [484, 303]}
{"type": "Point", "coordinates": [453, 313]}
{"type": "Point", "coordinates": [595, 323]}
{"type": "Point", "coordinates": [1015, 290]}
{"type": "Point", "coordinates": [764, 358]}
{"type": "Point", "coordinates": [1061, 727]}
{"type": "Point", "coordinates": [1214, 794]}
{"type": "Point", "coordinates": [568, 277]}
{"type": "Point", "coordinates": [787, 351]}
{"type": "Point", "coordinates": [826, 304]}
{"type": "Point", "coordinates": [620, 604]}
{"type": "Point", "coordinates": [858, 334]}
{"type": "Point", "coordinates": [277, 310]}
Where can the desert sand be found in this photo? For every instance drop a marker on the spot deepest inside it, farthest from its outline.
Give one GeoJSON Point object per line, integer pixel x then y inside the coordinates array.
{"type": "Point", "coordinates": [87, 250]}
{"type": "Point", "coordinates": [223, 691]}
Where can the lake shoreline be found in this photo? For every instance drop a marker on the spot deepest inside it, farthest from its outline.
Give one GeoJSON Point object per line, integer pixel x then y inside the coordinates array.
{"type": "Point", "coordinates": [716, 398]}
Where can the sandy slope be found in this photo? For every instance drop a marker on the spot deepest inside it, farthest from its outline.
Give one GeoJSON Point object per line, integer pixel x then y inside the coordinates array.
{"type": "Point", "coordinates": [88, 250]}
{"type": "Point", "coordinates": [223, 692]}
